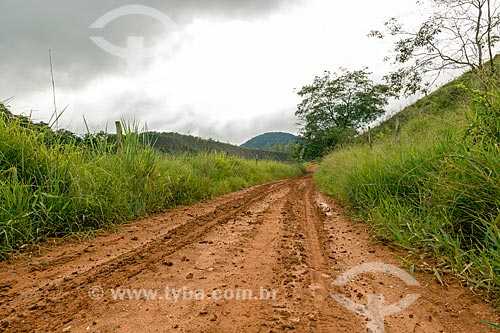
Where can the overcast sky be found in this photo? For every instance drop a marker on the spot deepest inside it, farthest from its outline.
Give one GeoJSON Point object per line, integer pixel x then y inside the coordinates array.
{"type": "Point", "coordinates": [224, 69]}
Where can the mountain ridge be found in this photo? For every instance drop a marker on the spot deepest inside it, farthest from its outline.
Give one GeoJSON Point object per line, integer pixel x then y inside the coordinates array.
{"type": "Point", "coordinates": [269, 140]}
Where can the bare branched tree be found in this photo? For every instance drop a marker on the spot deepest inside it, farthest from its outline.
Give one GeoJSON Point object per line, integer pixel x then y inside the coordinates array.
{"type": "Point", "coordinates": [459, 34]}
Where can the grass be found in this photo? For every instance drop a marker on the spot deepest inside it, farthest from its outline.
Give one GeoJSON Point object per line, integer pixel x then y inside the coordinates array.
{"type": "Point", "coordinates": [433, 187]}
{"type": "Point", "coordinates": [51, 188]}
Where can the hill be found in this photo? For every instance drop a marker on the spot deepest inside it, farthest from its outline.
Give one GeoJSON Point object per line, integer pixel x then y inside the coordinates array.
{"type": "Point", "coordinates": [269, 140]}
{"type": "Point", "coordinates": [170, 143]}
{"type": "Point", "coordinates": [429, 182]}
{"type": "Point", "coordinates": [173, 143]}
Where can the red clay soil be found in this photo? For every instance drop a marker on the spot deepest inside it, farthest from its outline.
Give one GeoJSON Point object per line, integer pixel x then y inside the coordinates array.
{"type": "Point", "coordinates": [284, 242]}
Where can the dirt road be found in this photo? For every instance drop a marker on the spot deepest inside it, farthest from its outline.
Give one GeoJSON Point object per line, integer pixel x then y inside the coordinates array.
{"type": "Point", "coordinates": [259, 260]}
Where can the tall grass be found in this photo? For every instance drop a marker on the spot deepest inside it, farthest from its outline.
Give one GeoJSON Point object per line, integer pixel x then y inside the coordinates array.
{"type": "Point", "coordinates": [51, 189]}
{"type": "Point", "coordinates": [433, 188]}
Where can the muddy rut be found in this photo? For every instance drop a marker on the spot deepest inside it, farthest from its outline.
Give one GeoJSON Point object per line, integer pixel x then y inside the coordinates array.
{"type": "Point", "coordinates": [266, 259]}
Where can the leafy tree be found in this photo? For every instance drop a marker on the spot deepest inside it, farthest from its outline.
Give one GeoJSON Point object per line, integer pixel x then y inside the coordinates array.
{"type": "Point", "coordinates": [458, 34]}
{"type": "Point", "coordinates": [335, 106]}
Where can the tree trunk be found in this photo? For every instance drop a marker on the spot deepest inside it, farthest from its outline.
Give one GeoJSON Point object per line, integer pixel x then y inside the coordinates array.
{"type": "Point", "coordinates": [490, 44]}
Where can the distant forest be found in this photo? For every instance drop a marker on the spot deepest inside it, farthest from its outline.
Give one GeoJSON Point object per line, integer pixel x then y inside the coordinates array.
{"type": "Point", "coordinates": [173, 143]}
{"type": "Point", "coordinates": [274, 141]}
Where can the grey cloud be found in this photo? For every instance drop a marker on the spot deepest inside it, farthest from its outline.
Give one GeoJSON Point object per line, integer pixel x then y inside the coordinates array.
{"type": "Point", "coordinates": [29, 28]}
{"type": "Point", "coordinates": [157, 116]}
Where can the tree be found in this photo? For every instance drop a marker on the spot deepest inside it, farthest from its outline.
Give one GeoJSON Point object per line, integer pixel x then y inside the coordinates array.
{"type": "Point", "coordinates": [459, 34]}
{"type": "Point", "coordinates": [335, 107]}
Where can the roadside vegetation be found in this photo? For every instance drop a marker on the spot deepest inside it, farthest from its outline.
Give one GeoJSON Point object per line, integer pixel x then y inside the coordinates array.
{"type": "Point", "coordinates": [428, 179]}
{"type": "Point", "coordinates": [53, 184]}
{"type": "Point", "coordinates": [432, 187]}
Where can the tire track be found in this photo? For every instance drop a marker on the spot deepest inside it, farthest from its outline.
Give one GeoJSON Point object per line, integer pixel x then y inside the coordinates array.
{"type": "Point", "coordinates": [273, 236]}
{"type": "Point", "coordinates": [54, 304]}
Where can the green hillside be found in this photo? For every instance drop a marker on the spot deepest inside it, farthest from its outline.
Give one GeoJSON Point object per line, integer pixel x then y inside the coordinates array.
{"type": "Point", "coordinates": [174, 143]}
{"type": "Point", "coordinates": [430, 182]}
{"type": "Point", "coordinates": [270, 140]}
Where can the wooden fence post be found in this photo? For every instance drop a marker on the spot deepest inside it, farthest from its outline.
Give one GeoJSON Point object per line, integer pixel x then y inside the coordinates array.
{"type": "Point", "coordinates": [118, 134]}
{"type": "Point", "coordinates": [370, 136]}
{"type": "Point", "coordinates": [398, 131]}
